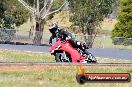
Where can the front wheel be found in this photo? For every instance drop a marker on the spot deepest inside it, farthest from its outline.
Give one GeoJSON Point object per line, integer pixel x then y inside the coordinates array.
{"type": "Point", "coordinates": [90, 58]}
{"type": "Point", "coordinates": [63, 57]}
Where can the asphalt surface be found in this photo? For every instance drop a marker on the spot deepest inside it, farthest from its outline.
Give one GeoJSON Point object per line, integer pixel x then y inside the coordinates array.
{"type": "Point", "coordinates": [107, 53]}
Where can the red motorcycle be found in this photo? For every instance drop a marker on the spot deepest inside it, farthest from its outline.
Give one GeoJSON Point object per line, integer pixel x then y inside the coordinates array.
{"type": "Point", "coordinates": [64, 52]}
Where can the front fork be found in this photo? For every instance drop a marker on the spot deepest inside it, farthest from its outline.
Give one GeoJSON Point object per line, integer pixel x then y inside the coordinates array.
{"type": "Point", "coordinates": [64, 54]}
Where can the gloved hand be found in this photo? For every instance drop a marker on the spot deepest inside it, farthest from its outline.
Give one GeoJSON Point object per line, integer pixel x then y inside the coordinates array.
{"type": "Point", "coordinates": [68, 38]}
{"type": "Point", "coordinates": [79, 43]}
{"type": "Point", "coordinates": [85, 46]}
{"type": "Point", "coordinates": [50, 44]}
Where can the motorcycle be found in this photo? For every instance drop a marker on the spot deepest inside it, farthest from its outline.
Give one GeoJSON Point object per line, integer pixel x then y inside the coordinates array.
{"type": "Point", "coordinates": [64, 52]}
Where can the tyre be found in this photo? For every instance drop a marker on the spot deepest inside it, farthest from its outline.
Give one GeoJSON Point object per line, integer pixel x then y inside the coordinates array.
{"type": "Point", "coordinates": [61, 57]}
{"type": "Point", "coordinates": [90, 57]}
{"type": "Point", "coordinates": [81, 79]}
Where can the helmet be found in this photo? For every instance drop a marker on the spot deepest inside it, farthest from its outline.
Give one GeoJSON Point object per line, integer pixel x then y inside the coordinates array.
{"type": "Point", "coordinates": [53, 28]}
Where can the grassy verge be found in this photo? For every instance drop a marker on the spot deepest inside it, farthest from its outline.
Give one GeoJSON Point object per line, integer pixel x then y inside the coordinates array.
{"type": "Point", "coordinates": [111, 60]}
{"type": "Point", "coordinates": [24, 56]}
{"type": "Point", "coordinates": [58, 76]}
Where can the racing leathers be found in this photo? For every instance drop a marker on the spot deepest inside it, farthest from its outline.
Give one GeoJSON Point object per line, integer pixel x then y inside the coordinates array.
{"type": "Point", "coordinates": [65, 35]}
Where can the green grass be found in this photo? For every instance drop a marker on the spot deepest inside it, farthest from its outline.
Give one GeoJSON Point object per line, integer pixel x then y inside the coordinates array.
{"type": "Point", "coordinates": [111, 60]}
{"type": "Point", "coordinates": [59, 76]}
{"type": "Point", "coordinates": [21, 56]}
{"type": "Point", "coordinates": [51, 76]}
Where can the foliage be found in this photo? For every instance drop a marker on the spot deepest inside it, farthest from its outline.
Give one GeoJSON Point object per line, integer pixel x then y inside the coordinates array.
{"type": "Point", "coordinates": [2, 11]}
{"type": "Point", "coordinates": [56, 4]}
{"type": "Point", "coordinates": [17, 12]}
{"type": "Point", "coordinates": [12, 13]}
{"type": "Point", "coordinates": [87, 14]}
{"type": "Point", "coordinates": [7, 35]}
{"type": "Point", "coordinates": [124, 27]}
{"type": "Point", "coordinates": [32, 2]}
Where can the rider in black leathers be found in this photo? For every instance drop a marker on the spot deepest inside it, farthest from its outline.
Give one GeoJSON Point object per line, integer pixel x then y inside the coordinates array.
{"type": "Point", "coordinates": [64, 35]}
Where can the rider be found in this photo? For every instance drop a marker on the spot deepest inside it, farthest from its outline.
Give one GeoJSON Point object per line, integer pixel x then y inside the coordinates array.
{"type": "Point", "coordinates": [64, 35]}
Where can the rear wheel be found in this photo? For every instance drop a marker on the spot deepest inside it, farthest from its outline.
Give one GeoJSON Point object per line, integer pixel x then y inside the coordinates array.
{"type": "Point", "coordinates": [61, 57]}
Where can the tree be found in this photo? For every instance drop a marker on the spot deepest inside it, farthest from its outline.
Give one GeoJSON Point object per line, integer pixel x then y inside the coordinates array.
{"type": "Point", "coordinates": [2, 12]}
{"type": "Point", "coordinates": [16, 11]}
{"type": "Point", "coordinates": [41, 9]}
{"type": "Point", "coordinates": [124, 26]}
{"type": "Point", "coordinates": [88, 14]}
{"type": "Point", "coordinates": [12, 14]}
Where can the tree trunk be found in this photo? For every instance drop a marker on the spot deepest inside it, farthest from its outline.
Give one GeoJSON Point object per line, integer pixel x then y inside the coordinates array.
{"type": "Point", "coordinates": [39, 32]}
{"type": "Point", "coordinates": [31, 27]}
{"type": "Point", "coordinates": [88, 37]}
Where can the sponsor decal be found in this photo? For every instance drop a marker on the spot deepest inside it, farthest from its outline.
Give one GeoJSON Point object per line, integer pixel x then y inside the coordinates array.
{"type": "Point", "coordinates": [83, 77]}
